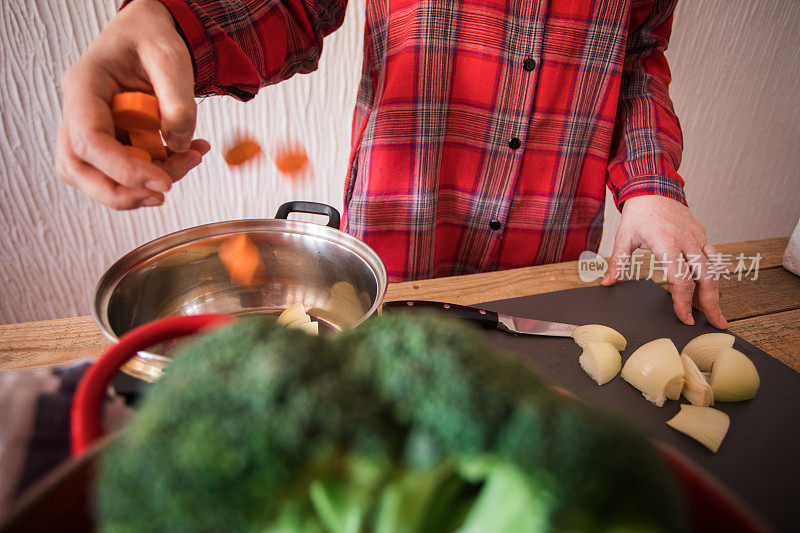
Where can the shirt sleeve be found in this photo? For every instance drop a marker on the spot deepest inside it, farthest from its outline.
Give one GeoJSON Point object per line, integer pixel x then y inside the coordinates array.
{"type": "Point", "coordinates": [648, 142]}
{"type": "Point", "coordinates": [239, 46]}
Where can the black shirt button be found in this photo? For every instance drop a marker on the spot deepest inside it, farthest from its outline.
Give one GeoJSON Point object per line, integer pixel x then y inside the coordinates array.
{"type": "Point", "coordinates": [529, 64]}
{"type": "Point", "coordinates": [494, 224]}
{"type": "Point", "coordinates": [514, 143]}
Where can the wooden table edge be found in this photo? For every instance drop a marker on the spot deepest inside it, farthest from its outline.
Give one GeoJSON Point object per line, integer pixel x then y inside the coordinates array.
{"type": "Point", "coordinates": [59, 341]}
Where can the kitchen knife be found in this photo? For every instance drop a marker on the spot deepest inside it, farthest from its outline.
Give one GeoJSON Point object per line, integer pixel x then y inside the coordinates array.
{"type": "Point", "coordinates": [487, 319]}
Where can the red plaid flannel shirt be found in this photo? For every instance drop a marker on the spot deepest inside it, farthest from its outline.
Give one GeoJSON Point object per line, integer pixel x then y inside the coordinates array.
{"type": "Point", "coordinates": [485, 131]}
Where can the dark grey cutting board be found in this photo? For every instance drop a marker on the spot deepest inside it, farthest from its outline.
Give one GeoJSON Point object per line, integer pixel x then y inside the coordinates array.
{"type": "Point", "coordinates": [760, 457]}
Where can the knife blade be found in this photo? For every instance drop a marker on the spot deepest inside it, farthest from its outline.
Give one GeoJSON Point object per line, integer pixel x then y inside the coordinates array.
{"type": "Point", "coordinates": [487, 319]}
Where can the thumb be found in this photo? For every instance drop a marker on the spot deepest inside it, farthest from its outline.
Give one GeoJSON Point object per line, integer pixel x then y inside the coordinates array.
{"type": "Point", "coordinates": [171, 74]}
{"type": "Point", "coordinates": [622, 246]}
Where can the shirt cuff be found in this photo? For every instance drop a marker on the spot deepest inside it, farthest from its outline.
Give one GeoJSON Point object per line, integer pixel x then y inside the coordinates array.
{"type": "Point", "coordinates": [671, 187]}
{"type": "Point", "coordinates": [199, 44]}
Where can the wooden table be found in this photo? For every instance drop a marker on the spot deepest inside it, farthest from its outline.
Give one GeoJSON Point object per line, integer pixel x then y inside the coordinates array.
{"type": "Point", "coordinates": [765, 311]}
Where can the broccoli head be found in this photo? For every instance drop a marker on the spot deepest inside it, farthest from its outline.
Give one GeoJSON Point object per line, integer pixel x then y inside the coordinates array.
{"type": "Point", "coordinates": [407, 424]}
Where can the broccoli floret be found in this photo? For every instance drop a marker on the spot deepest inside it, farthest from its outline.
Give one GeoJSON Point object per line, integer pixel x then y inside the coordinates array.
{"type": "Point", "coordinates": [445, 382]}
{"type": "Point", "coordinates": [405, 424]}
{"type": "Point", "coordinates": [219, 441]}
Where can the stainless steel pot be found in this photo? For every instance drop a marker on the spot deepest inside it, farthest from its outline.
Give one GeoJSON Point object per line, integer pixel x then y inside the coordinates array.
{"type": "Point", "coordinates": [340, 280]}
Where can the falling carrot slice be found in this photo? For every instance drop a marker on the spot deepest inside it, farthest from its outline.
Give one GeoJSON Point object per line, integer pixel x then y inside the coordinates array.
{"type": "Point", "coordinates": [242, 152]}
{"type": "Point", "coordinates": [241, 258]}
{"type": "Point", "coordinates": [136, 111]}
{"type": "Point", "coordinates": [291, 161]}
{"type": "Point", "coordinates": [150, 142]}
{"type": "Point", "coordinates": [138, 153]}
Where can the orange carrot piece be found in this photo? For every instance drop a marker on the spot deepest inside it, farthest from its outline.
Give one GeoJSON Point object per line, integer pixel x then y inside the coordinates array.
{"type": "Point", "coordinates": [150, 142]}
{"type": "Point", "coordinates": [292, 161]}
{"type": "Point", "coordinates": [241, 152]}
{"type": "Point", "coordinates": [138, 153]}
{"type": "Point", "coordinates": [136, 111]}
{"type": "Point", "coordinates": [241, 259]}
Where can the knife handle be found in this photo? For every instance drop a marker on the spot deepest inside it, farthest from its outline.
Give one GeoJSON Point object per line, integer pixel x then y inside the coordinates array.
{"type": "Point", "coordinates": [481, 317]}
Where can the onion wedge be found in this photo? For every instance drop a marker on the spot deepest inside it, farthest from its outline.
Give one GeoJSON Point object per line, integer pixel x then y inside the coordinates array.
{"type": "Point", "coordinates": [704, 348]}
{"type": "Point", "coordinates": [706, 425]}
{"type": "Point", "coordinates": [597, 332]}
{"type": "Point", "coordinates": [299, 322]}
{"type": "Point", "coordinates": [656, 370]}
{"type": "Point", "coordinates": [695, 387]}
{"type": "Point", "coordinates": [601, 361]}
{"type": "Point", "coordinates": [734, 377]}
{"type": "Point", "coordinates": [294, 312]}
{"type": "Point", "coordinates": [312, 328]}
{"type": "Point", "coordinates": [295, 317]}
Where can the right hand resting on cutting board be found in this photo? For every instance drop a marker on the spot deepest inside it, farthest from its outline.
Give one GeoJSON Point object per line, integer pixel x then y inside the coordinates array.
{"type": "Point", "coordinates": [139, 50]}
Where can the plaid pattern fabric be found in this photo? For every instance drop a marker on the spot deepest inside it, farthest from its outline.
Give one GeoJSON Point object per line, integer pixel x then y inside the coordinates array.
{"type": "Point", "coordinates": [485, 131]}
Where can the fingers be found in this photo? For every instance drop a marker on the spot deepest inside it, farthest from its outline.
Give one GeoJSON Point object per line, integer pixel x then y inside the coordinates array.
{"type": "Point", "coordinates": [169, 67]}
{"type": "Point", "coordinates": [668, 229]}
{"type": "Point", "coordinates": [139, 50]}
{"type": "Point", "coordinates": [98, 186]}
{"type": "Point", "coordinates": [707, 292]}
{"type": "Point", "coordinates": [201, 145]}
{"type": "Point", "coordinates": [88, 131]}
{"type": "Point", "coordinates": [178, 165]}
{"type": "Point", "coordinates": [101, 188]}
{"type": "Point", "coordinates": [693, 286]}
{"type": "Point", "coordinates": [681, 286]}
{"type": "Point", "coordinates": [708, 299]}
{"type": "Point", "coordinates": [623, 246]}
{"type": "Point", "coordinates": [105, 190]}
{"type": "Point", "coordinates": [105, 153]}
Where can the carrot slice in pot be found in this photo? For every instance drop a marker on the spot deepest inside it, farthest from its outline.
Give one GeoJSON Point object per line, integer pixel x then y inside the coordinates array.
{"type": "Point", "coordinates": [241, 259]}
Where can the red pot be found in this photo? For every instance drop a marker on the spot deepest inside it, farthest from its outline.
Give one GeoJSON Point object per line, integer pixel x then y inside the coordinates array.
{"type": "Point", "coordinates": [86, 421]}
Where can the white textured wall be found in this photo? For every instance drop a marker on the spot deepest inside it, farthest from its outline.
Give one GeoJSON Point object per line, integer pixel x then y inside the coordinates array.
{"type": "Point", "coordinates": [55, 243]}
{"type": "Point", "coordinates": [736, 89]}
{"type": "Point", "coordinates": [736, 66]}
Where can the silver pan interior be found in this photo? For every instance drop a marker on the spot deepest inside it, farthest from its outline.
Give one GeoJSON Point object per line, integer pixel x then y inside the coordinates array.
{"type": "Point", "coordinates": [339, 279]}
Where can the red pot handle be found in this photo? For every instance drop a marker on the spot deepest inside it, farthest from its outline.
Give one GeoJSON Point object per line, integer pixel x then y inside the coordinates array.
{"type": "Point", "coordinates": [86, 420]}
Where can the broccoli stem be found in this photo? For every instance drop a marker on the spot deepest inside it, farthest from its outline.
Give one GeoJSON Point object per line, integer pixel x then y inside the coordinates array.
{"type": "Point", "coordinates": [507, 503]}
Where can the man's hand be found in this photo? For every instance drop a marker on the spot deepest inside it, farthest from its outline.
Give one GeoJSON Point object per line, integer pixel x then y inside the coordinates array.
{"type": "Point", "coordinates": [668, 229]}
{"type": "Point", "coordinates": [139, 50]}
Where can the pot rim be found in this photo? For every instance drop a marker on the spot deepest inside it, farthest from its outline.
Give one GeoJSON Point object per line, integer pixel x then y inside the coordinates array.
{"type": "Point", "coordinates": [149, 250]}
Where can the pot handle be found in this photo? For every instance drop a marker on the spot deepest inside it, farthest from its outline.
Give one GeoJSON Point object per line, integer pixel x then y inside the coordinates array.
{"type": "Point", "coordinates": [314, 208]}
{"type": "Point", "coordinates": [86, 421]}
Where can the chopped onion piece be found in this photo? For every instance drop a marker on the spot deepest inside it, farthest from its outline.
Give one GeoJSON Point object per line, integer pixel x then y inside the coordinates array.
{"type": "Point", "coordinates": [704, 349]}
{"type": "Point", "coordinates": [656, 370]}
{"type": "Point", "coordinates": [295, 317]}
{"type": "Point", "coordinates": [706, 425]}
{"type": "Point", "coordinates": [312, 328]}
{"type": "Point", "coordinates": [292, 313]}
{"type": "Point", "coordinates": [305, 319]}
{"type": "Point", "coordinates": [601, 361]}
{"type": "Point", "coordinates": [597, 332]}
{"type": "Point", "coordinates": [695, 387]}
{"type": "Point", "coordinates": [734, 377]}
